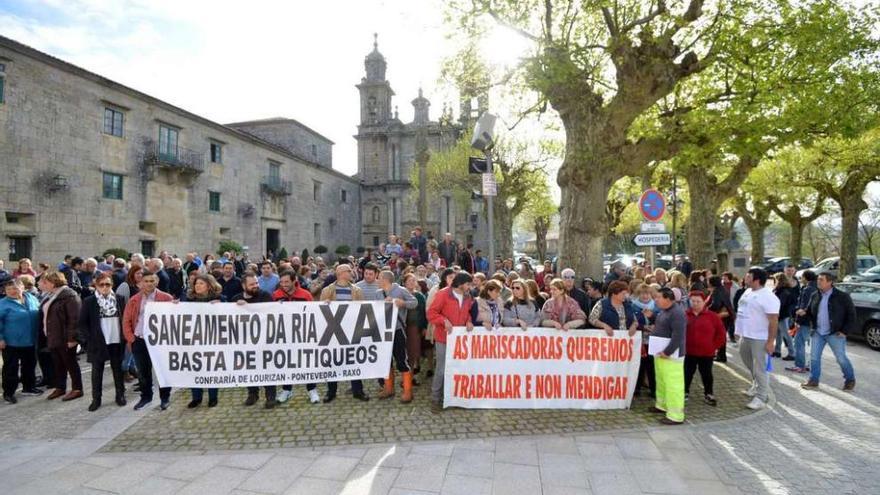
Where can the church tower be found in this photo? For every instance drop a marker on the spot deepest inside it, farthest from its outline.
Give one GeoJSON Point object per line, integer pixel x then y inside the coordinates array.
{"type": "Point", "coordinates": [375, 90]}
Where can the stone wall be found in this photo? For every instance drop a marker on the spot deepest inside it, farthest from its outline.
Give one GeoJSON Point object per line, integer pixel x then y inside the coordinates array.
{"type": "Point", "coordinates": [53, 153]}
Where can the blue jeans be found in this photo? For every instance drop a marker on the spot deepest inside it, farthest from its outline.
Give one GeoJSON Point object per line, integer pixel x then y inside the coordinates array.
{"type": "Point", "coordinates": [800, 346]}
{"type": "Point", "coordinates": [837, 344]}
{"type": "Point", "coordinates": [783, 336]}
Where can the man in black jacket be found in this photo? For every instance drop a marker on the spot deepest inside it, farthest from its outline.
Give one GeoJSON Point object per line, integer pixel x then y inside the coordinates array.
{"type": "Point", "coordinates": [831, 313]}
{"type": "Point", "coordinates": [251, 293]}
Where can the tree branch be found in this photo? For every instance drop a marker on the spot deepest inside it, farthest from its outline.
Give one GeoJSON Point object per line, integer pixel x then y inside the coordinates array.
{"type": "Point", "coordinates": [661, 9]}
{"type": "Point", "coordinates": [609, 22]}
{"type": "Point", "coordinates": [502, 22]}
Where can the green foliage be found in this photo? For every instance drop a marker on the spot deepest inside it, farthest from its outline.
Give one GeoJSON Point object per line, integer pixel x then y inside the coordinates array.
{"type": "Point", "coordinates": [320, 249]}
{"type": "Point", "coordinates": [343, 250]}
{"type": "Point", "coordinates": [304, 255]}
{"type": "Point", "coordinates": [360, 250]}
{"type": "Point", "coordinates": [282, 253]}
{"type": "Point", "coordinates": [228, 246]}
{"type": "Point", "coordinates": [118, 252]}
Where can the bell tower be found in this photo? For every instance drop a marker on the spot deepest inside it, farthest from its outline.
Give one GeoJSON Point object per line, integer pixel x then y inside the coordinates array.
{"type": "Point", "coordinates": [374, 89]}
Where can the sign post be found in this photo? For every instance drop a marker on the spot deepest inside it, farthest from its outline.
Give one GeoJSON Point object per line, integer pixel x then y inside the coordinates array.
{"type": "Point", "coordinates": [652, 206]}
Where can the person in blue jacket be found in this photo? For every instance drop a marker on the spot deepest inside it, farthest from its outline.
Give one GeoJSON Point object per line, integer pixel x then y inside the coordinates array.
{"type": "Point", "coordinates": [19, 313]}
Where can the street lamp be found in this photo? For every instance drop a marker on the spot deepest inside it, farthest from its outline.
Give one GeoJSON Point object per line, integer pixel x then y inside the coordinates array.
{"type": "Point", "coordinates": [484, 140]}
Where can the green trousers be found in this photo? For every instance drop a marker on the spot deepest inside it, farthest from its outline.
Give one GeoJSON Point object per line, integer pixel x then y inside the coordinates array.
{"type": "Point", "coordinates": [670, 387]}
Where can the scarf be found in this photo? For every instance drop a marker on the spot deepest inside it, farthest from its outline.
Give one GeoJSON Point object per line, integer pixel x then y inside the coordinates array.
{"type": "Point", "coordinates": [107, 305]}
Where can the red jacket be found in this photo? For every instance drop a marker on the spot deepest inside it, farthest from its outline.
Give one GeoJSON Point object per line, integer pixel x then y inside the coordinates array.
{"type": "Point", "coordinates": [133, 312]}
{"type": "Point", "coordinates": [705, 333]}
{"type": "Point", "coordinates": [445, 307]}
{"type": "Point", "coordinates": [299, 294]}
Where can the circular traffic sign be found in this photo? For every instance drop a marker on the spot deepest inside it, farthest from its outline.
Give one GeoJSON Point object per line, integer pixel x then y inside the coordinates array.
{"type": "Point", "coordinates": [652, 205]}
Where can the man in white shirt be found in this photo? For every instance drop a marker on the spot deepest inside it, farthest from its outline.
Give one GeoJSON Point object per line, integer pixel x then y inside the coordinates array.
{"type": "Point", "coordinates": [757, 321]}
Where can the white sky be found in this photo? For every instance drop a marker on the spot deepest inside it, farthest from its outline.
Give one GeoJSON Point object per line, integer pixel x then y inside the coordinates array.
{"type": "Point", "coordinates": [231, 60]}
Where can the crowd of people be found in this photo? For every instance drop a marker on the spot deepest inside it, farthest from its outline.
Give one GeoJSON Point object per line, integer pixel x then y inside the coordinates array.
{"type": "Point", "coordinates": [82, 306]}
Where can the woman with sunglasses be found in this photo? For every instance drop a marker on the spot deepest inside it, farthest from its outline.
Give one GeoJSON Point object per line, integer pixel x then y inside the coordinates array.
{"type": "Point", "coordinates": [205, 289]}
{"type": "Point", "coordinates": [100, 326]}
{"type": "Point", "coordinates": [561, 311]}
{"type": "Point", "coordinates": [522, 310]}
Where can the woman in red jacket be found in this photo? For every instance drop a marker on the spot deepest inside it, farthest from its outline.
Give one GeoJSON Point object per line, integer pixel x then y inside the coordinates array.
{"type": "Point", "coordinates": [705, 335]}
{"type": "Point", "coordinates": [450, 308]}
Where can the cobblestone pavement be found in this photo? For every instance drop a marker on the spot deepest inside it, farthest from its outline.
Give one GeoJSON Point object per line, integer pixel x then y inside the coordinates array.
{"type": "Point", "coordinates": [346, 421]}
{"type": "Point", "coordinates": [824, 441]}
{"type": "Point", "coordinates": [817, 442]}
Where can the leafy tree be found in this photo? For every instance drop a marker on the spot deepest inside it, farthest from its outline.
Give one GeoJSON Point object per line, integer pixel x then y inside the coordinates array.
{"type": "Point", "coordinates": [537, 215]}
{"type": "Point", "coordinates": [320, 249]}
{"type": "Point", "coordinates": [282, 253]}
{"type": "Point", "coordinates": [768, 87]}
{"type": "Point", "coordinates": [517, 175]}
{"type": "Point", "coordinates": [841, 169]}
{"type": "Point", "coordinates": [599, 66]}
{"type": "Point", "coordinates": [343, 250]}
{"type": "Point", "coordinates": [755, 211]}
{"type": "Point", "coordinates": [797, 206]}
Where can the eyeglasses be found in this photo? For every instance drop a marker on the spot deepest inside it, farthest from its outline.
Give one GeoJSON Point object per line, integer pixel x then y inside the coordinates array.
{"type": "Point", "coordinates": [516, 287]}
{"type": "Point", "coordinates": [105, 285]}
{"type": "Point", "coordinates": [568, 277]}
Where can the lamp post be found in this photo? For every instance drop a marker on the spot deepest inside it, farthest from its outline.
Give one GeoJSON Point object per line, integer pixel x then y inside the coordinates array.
{"type": "Point", "coordinates": [483, 140]}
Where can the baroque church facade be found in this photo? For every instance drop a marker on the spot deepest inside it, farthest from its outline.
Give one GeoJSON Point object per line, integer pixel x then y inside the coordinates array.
{"type": "Point", "coordinates": [388, 151]}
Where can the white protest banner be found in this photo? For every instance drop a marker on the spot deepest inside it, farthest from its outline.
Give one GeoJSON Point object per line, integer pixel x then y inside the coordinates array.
{"type": "Point", "coordinates": [540, 368]}
{"type": "Point", "coordinates": [231, 345]}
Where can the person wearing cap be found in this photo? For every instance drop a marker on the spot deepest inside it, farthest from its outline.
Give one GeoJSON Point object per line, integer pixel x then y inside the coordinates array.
{"type": "Point", "coordinates": [705, 335]}
{"type": "Point", "coordinates": [671, 323]}
{"type": "Point", "coordinates": [451, 307]}
{"type": "Point", "coordinates": [575, 292]}
{"type": "Point", "coordinates": [616, 271]}
{"type": "Point", "coordinates": [19, 316]}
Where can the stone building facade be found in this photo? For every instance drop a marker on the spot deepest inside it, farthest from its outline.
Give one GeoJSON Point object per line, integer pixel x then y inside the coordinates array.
{"type": "Point", "coordinates": [387, 150]}
{"type": "Point", "coordinates": [87, 164]}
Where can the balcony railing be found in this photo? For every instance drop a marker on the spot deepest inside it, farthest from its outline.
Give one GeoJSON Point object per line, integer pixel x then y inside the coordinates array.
{"type": "Point", "coordinates": [274, 185]}
{"type": "Point", "coordinates": [173, 158]}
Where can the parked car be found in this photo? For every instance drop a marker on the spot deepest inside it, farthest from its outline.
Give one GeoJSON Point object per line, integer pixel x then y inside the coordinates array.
{"type": "Point", "coordinates": [869, 275]}
{"type": "Point", "coordinates": [831, 265]}
{"type": "Point", "coordinates": [776, 265]}
{"type": "Point", "coordinates": [664, 262]}
{"type": "Point", "coordinates": [866, 297]}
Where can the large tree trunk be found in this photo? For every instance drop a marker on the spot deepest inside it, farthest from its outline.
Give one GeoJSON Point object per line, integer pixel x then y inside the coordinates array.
{"type": "Point", "coordinates": [542, 224]}
{"type": "Point", "coordinates": [796, 241]}
{"type": "Point", "coordinates": [701, 221]}
{"type": "Point", "coordinates": [583, 226]}
{"type": "Point", "coordinates": [756, 230]}
{"type": "Point", "coordinates": [851, 206]}
{"type": "Point", "coordinates": [503, 229]}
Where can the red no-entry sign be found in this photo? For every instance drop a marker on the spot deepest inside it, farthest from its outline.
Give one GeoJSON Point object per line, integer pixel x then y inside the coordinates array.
{"type": "Point", "coordinates": [652, 205]}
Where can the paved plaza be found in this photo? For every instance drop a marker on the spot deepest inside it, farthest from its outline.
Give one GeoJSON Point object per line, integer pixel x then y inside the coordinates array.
{"type": "Point", "coordinates": [825, 441]}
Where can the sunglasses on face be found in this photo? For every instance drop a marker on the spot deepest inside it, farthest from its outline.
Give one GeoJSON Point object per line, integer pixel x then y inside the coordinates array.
{"type": "Point", "coordinates": [105, 285]}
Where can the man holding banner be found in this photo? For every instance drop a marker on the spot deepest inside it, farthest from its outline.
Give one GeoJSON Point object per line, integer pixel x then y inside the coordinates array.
{"type": "Point", "coordinates": [343, 290]}
{"type": "Point", "coordinates": [451, 308]}
{"type": "Point", "coordinates": [133, 328]}
{"type": "Point", "coordinates": [251, 293]}
{"type": "Point", "coordinates": [400, 297]}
